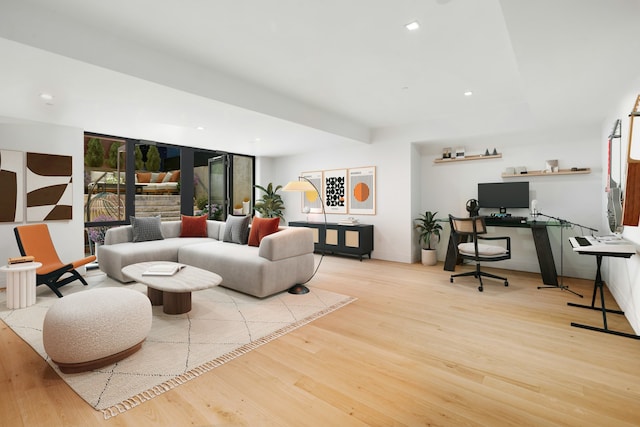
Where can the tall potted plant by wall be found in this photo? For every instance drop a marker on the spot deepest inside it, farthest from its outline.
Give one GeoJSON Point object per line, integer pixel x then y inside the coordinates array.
{"type": "Point", "coordinates": [270, 205]}
{"type": "Point", "coordinates": [428, 227]}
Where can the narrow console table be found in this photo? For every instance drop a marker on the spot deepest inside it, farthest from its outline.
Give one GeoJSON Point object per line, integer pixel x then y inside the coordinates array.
{"type": "Point", "coordinates": [343, 239]}
{"type": "Point", "coordinates": [540, 239]}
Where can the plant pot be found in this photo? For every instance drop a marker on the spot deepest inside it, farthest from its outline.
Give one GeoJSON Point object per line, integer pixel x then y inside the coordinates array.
{"type": "Point", "coordinates": [429, 257]}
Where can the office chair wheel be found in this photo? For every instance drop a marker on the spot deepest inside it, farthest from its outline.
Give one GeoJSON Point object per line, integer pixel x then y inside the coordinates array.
{"type": "Point", "coordinates": [506, 283]}
{"type": "Point", "coordinates": [480, 288]}
{"type": "Point", "coordinates": [451, 279]}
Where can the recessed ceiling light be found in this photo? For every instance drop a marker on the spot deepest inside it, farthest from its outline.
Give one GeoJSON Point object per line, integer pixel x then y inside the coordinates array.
{"type": "Point", "coordinates": [468, 93]}
{"type": "Point", "coordinates": [47, 98]}
{"type": "Point", "coordinates": [200, 128]}
{"type": "Point", "coordinates": [412, 26]}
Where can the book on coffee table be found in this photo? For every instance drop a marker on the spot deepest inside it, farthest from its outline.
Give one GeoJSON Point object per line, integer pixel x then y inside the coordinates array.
{"type": "Point", "coordinates": [163, 269]}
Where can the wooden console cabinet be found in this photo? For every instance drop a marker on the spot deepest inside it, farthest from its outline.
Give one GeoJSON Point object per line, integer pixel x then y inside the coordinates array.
{"type": "Point", "coordinates": [343, 239]}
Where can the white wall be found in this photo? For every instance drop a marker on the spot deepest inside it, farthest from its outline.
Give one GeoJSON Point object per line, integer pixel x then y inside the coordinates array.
{"type": "Point", "coordinates": [392, 222]}
{"type": "Point", "coordinates": [623, 275]}
{"type": "Point", "coordinates": [68, 236]}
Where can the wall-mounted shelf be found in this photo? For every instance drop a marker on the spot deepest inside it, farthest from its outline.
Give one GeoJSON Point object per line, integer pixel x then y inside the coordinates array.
{"type": "Point", "coordinates": [543, 173]}
{"type": "Point", "coordinates": [465, 158]}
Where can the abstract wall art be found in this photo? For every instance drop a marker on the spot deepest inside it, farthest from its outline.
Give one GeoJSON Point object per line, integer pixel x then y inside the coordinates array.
{"type": "Point", "coordinates": [49, 187]}
{"type": "Point", "coordinates": [335, 191]}
{"type": "Point", "coordinates": [12, 185]}
{"type": "Point", "coordinates": [362, 191]}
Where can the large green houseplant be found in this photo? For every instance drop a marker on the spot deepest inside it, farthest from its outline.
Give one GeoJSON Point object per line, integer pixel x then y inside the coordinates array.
{"type": "Point", "coordinates": [270, 205]}
{"type": "Point", "coordinates": [428, 227]}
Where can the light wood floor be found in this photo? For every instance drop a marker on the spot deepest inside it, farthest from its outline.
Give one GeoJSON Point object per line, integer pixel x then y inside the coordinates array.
{"type": "Point", "coordinates": [414, 350]}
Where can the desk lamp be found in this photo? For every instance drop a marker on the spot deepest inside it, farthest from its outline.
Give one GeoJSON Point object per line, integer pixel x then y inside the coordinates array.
{"type": "Point", "coordinates": [305, 185]}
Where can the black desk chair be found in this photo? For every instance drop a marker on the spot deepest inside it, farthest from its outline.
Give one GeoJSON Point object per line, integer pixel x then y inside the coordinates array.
{"type": "Point", "coordinates": [475, 228]}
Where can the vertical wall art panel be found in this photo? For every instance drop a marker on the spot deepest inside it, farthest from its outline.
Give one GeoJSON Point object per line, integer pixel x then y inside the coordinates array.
{"type": "Point", "coordinates": [362, 191]}
{"type": "Point", "coordinates": [311, 199]}
{"type": "Point", "coordinates": [12, 185]}
{"type": "Point", "coordinates": [49, 187]}
{"type": "Point", "coordinates": [335, 191]}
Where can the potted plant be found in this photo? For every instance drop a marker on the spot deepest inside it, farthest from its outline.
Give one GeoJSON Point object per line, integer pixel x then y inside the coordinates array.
{"type": "Point", "coordinates": [428, 226]}
{"type": "Point", "coordinates": [270, 205]}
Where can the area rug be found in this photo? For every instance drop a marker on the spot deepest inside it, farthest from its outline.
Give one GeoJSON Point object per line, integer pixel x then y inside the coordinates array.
{"type": "Point", "coordinates": [221, 326]}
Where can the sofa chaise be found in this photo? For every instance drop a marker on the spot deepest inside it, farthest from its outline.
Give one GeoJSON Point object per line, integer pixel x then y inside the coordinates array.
{"type": "Point", "coordinates": [281, 260]}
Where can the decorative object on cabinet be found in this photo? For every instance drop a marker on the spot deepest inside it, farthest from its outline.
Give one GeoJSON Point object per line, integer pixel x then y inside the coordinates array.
{"type": "Point", "coordinates": [362, 191]}
{"type": "Point", "coordinates": [335, 191]}
{"type": "Point", "coordinates": [446, 153]}
{"type": "Point", "coordinates": [354, 239]}
{"type": "Point", "coordinates": [306, 185]}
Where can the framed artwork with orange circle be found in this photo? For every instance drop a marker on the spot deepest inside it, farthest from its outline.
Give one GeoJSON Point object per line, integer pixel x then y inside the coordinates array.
{"type": "Point", "coordinates": [362, 191]}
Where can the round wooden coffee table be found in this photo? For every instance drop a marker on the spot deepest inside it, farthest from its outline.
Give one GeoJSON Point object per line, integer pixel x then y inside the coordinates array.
{"type": "Point", "coordinates": [172, 292]}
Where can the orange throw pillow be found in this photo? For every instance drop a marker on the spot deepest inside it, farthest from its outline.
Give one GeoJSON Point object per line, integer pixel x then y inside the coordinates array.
{"type": "Point", "coordinates": [144, 177]}
{"type": "Point", "coordinates": [261, 227]}
{"type": "Point", "coordinates": [193, 226]}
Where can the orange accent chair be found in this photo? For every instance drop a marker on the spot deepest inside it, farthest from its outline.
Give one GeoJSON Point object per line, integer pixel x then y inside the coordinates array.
{"type": "Point", "coordinates": [35, 240]}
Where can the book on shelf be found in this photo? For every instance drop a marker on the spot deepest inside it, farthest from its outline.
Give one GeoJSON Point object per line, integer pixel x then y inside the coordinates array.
{"type": "Point", "coordinates": [163, 269]}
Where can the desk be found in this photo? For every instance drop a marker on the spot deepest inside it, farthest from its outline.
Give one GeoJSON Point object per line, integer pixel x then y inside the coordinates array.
{"type": "Point", "coordinates": [622, 251]}
{"type": "Point", "coordinates": [540, 239]}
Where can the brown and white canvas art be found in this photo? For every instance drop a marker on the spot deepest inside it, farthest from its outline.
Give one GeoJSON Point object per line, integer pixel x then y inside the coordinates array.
{"type": "Point", "coordinates": [12, 185]}
{"type": "Point", "coordinates": [49, 187]}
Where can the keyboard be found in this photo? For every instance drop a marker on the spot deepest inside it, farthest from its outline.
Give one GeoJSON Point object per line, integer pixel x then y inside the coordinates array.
{"type": "Point", "coordinates": [601, 244]}
{"type": "Point", "coordinates": [498, 220]}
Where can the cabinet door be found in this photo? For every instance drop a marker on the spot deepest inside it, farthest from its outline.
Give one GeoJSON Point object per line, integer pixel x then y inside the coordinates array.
{"type": "Point", "coordinates": [352, 238]}
{"type": "Point", "coordinates": [331, 237]}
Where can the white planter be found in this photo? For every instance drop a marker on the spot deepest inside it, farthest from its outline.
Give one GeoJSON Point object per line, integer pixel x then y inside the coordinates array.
{"type": "Point", "coordinates": [429, 257]}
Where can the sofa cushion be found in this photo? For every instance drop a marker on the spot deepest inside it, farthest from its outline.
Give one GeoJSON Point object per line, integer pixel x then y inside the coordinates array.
{"type": "Point", "coordinates": [193, 226]}
{"type": "Point", "coordinates": [143, 177]}
{"type": "Point", "coordinates": [261, 227]}
{"type": "Point", "coordinates": [236, 229]}
{"type": "Point", "coordinates": [145, 229]}
{"type": "Point", "coordinates": [483, 250]}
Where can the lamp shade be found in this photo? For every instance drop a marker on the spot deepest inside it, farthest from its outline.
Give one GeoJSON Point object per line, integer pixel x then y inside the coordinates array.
{"type": "Point", "coordinates": [299, 186]}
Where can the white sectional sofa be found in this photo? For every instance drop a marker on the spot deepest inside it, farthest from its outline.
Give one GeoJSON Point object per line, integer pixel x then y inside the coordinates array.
{"type": "Point", "coordinates": [281, 260]}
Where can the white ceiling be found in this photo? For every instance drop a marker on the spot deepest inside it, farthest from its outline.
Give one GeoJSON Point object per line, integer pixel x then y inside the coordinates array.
{"type": "Point", "coordinates": [302, 74]}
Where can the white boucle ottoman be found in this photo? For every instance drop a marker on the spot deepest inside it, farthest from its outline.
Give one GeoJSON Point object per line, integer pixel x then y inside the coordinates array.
{"type": "Point", "coordinates": [95, 328]}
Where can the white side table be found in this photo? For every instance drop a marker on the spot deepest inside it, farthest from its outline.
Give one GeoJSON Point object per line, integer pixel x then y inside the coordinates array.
{"type": "Point", "coordinates": [21, 284]}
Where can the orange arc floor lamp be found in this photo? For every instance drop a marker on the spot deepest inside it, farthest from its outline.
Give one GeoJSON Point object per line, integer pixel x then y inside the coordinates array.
{"type": "Point", "coordinates": [303, 184]}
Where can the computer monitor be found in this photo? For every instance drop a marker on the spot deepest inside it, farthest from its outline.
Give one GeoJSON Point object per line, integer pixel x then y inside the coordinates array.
{"type": "Point", "coordinates": [503, 195]}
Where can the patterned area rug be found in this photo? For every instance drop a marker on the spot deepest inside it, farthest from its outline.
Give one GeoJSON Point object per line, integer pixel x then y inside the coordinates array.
{"type": "Point", "coordinates": [221, 326]}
